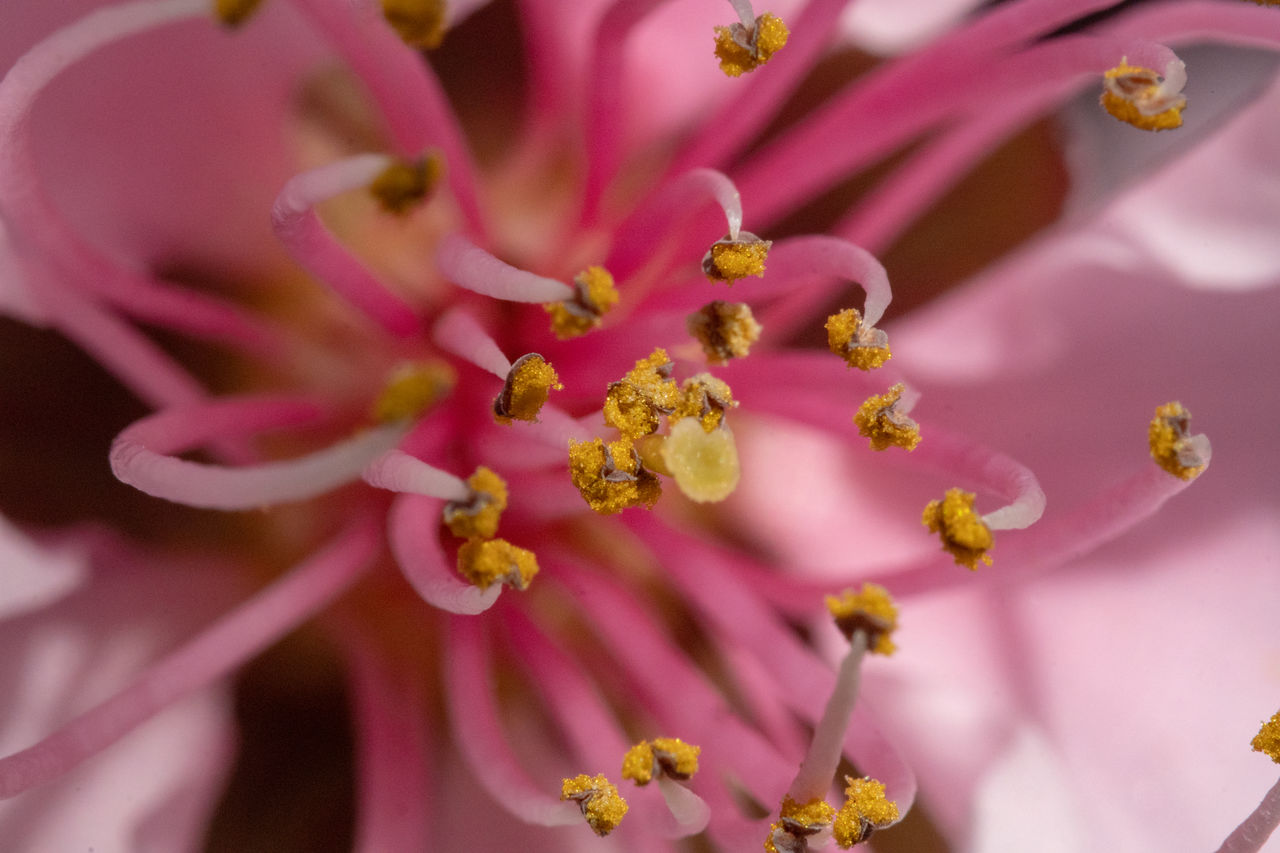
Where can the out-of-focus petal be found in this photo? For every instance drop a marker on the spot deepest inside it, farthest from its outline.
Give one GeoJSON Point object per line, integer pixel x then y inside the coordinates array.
{"type": "Point", "coordinates": [33, 576]}
{"type": "Point", "coordinates": [890, 27]}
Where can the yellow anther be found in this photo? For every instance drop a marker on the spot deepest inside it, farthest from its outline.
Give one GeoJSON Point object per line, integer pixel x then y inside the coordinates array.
{"type": "Point", "coordinates": [419, 23]}
{"type": "Point", "coordinates": [865, 809]}
{"type": "Point", "coordinates": [870, 611]}
{"type": "Point", "coordinates": [634, 403]}
{"type": "Point", "coordinates": [879, 420]}
{"type": "Point", "coordinates": [704, 464]}
{"type": "Point", "coordinates": [485, 562]}
{"type": "Point", "coordinates": [529, 383]}
{"type": "Point", "coordinates": [1139, 96]}
{"type": "Point", "coordinates": [741, 49]}
{"type": "Point", "coordinates": [601, 804]}
{"type": "Point", "coordinates": [667, 756]}
{"type": "Point", "coordinates": [404, 184]}
{"type": "Point", "coordinates": [725, 329]}
{"type": "Point", "coordinates": [861, 346]}
{"type": "Point", "coordinates": [964, 534]}
{"type": "Point", "coordinates": [233, 13]}
{"type": "Point", "coordinates": [610, 476]}
{"type": "Point", "coordinates": [1171, 445]}
{"type": "Point", "coordinates": [412, 389]}
{"type": "Point", "coordinates": [477, 517]}
{"type": "Point", "coordinates": [594, 295]}
{"type": "Point", "coordinates": [731, 259]}
{"type": "Point", "coordinates": [1268, 739]}
{"type": "Point", "coordinates": [797, 821]}
{"type": "Point", "coordinates": [705, 398]}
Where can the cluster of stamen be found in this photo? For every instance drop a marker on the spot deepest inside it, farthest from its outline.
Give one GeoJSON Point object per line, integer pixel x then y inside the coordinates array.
{"type": "Point", "coordinates": [663, 756]}
{"type": "Point", "coordinates": [860, 345]}
{"type": "Point", "coordinates": [601, 804]}
{"type": "Point", "coordinates": [731, 258]}
{"type": "Point", "coordinates": [879, 420]}
{"type": "Point", "coordinates": [405, 184]}
{"type": "Point", "coordinates": [482, 559]}
{"type": "Point", "coordinates": [526, 389]}
{"type": "Point", "coordinates": [726, 330]}
{"type": "Point", "coordinates": [594, 294]}
{"type": "Point", "coordinates": [963, 533]}
{"type": "Point", "coordinates": [742, 48]}
{"type": "Point", "coordinates": [1170, 441]}
{"type": "Point", "coordinates": [1141, 97]}
{"type": "Point", "coordinates": [419, 23]}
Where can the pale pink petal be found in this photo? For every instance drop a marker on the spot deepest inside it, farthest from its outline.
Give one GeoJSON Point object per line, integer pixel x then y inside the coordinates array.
{"type": "Point", "coordinates": [33, 575]}
{"type": "Point", "coordinates": [414, 532]}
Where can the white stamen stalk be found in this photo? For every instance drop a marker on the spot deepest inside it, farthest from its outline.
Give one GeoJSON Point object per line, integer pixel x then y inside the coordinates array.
{"type": "Point", "coordinates": [460, 333]}
{"type": "Point", "coordinates": [819, 768]}
{"type": "Point", "coordinates": [397, 471]}
{"type": "Point", "coordinates": [745, 13]}
{"type": "Point", "coordinates": [690, 811]}
{"type": "Point", "coordinates": [1253, 833]}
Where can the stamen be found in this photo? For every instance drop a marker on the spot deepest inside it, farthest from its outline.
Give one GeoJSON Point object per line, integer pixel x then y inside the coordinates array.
{"type": "Point", "coordinates": [797, 823]}
{"type": "Point", "coordinates": [705, 398]}
{"type": "Point", "coordinates": [485, 562]}
{"type": "Point", "coordinates": [859, 344]}
{"type": "Point", "coordinates": [726, 330]}
{"type": "Point", "coordinates": [405, 184]}
{"type": "Point", "coordinates": [414, 533]}
{"type": "Point", "coordinates": [526, 389]}
{"type": "Point", "coordinates": [634, 403]}
{"type": "Point", "coordinates": [881, 420]}
{"type": "Point", "coordinates": [233, 13]}
{"type": "Point", "coordinates": [736, 256]}
{"type": "Point", "coordinates": [964, 534]}
{"type": "Point", "coordinates": [601, 804]}
{"type": "Point", "coordinates": [1267, 740]}
{"type": "Point", "coordinates": [610, 476]}
{"type": "Point", "coordinates": [745, 45]}
{"type": "Point", "coordinates": [704, 464]}
{"type": "Point", "coordinates": [469, 266]}
{"type": "Point", "coordinates": [397, 471]}
{"type": "Point", "coordinates": [478, 514]}
{"type": "Point", "coordinates": [420, 23]}
{"type": "Point", "coordinates": [1253, 833]}
{"type": "Point", "coordinates": [870, 612]}
{"type": "Point", "coordinates": [1141, 97]}
{"type": "Point", "coordinates": [865, 810]}
{"type": "Point", "coordinates": [1173, 449]}
{"type": "Point", "coordinates": [663, 756]}
{"type": "Point", "coordinates": [593, 296]}
{"type": "Point", "coordinates": [411, 390]}
{"type": "Point", "coordinates": [459, 333]}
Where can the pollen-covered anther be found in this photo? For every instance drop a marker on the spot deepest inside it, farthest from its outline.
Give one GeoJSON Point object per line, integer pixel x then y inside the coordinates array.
{"type": "Point", "coordinates": [594, 294]}
{"type": "Point", "coordinates": [233, 13]}
{"type": "Point", "coordinates": [412, 389]}
{"type": "Point", "coordinates": [478, 515]}
{"type": "Point", "coordinates": [405, 184]}
{"type": "Point", "coordinates": [419, 23]}
{"type": "Point", "coordinates": [663, 756]}
{"type": "Point", "coordinates": [879, 420]}
{"type": "Point", "coordinates": [963, 532]}
{"type": "Point", "coordinates": [601, 804]}
{"type": "Point", "coordinates": [1267, 741]}
{"type": "Point", "coordinates": [861, 346]}
{"type": "Point", "coordinates": [797, 823]}
{"type": "Point", "coordinates": [726, 330]}
{"type": "Point", "coordinates": [731, 258]}
{"type": "Point", "coordinates": [865, 810]}
{"type": "Point", "coordinates": [633, 405]}
{"type": "Point", "coordinates": [741, 48]}
{"type": "Point", "coordinates": [485, 562]}
{"type": "Point", "coordinates": [529, 382]}
{"type": "Point", "coordinates": [1172, 446]}
{"type": "Point", "coordinates": [610, 476]}
{"type": "Point", "coordinates": [1141, 97]}
{"type": "Point", "coordinates": [870, 611]}
{"type": "Point", "coordinates": [705, 398]}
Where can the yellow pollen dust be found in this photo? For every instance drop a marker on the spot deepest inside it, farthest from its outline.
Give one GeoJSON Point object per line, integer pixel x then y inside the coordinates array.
{"type": "Point", "coordinates": [634, 403]}
{"type": "Point", "coordinates": [865, 809]}
{"type": "Point", "coordinates": [594, 294]}
{"type": "Point", "coordinates": [485, 562]}
{"type": "Point", "coordinates": [412, 389]}
{"type": "Point", "coordinates": [529, 383]}
{"type": "Point", "coordinates": [879, 420]}
{"type": "Point", "coordinates": [601, 804]}
{"type": "Point", "coordinates": [704, 464]}
{"type": "Point", "coordinates": [964, 534]}
{"type": "Point", "coordinates": [726, 330]}
{"type": "Point", "coordinates": [861, 346]}
{"type": "Point", "coordinates": [870, 611]}
{"type": "Point", "coordinates": [798, 820]}
{"type": "Point", "coordinates": [1132, 94]}
{"type": "Point", "coordinates": [233, 13]}
{"type": "Point", "coordinates": [419, 23]}
{"type": "Point", "coordinates": [729, 260]}
{"type": "Point", "coordinates": [705, 398]}
{"type": "Point", "coordinates": [741, 50]}
{"type": "Point", "coordinates": [668, 756]}
{"type": "Point", "coordinates": [1171, 445]}
{"type": "Point", "coordinates": [478, 516]}
{"type": "Point", "coordinates": [610, 476]}
{"type": "Point", "coordinates": [1267, 740]}
{"type": "Point", "coordinates": [405, 184]}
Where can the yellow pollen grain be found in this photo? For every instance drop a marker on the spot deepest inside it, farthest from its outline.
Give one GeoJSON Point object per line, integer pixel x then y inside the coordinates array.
{"type": "Point", "coordinates": [704, 464]}
{"type": "Point", "coordinates": [610, 477]}
{"type": "Point", "coordinates": [865, 809]}
{"type": "Point", "coordinates": [233, 13]}
{"type": "Point", "coordinates": [478, 516]}
{"type": "Point", "coordinates": [1170, 444]}
{"type": "Point", "coordinates": [668, 756]}
{"type": "Point", "coordinates": [601, 804]}
{"type": "Point", "coordinates": [633, 404]}
{"type": "Point", "coordinates": [878, 420]}
{"type": "Point", "coordinates": [405, 184]}
{"type": "Point", "coordinates": [726, 330]}
{"type": "Point", "coordinates": [963, 533]}
{"type": "Point", "coordinates": [1267, 740]}
{"type": "Point", "coordinates": [861, 346]}
{"type": "Point", "coordinates": [731, 260]}
{"type": "Point", "coordinates": [741, 50]}
{"type": "Point", "coordinates": [871, 611]}
{"type": "Point", "coordinates": [1129, 94]}
{"type": "Point", "coordinates": [485, 562]}
{"type": "Point", "coordinates": [419, 23]}
{"type": "Point", "coordinates": [411, 390]}
{"type": "Point", "coordinates": [799, 820]}
{"type": "Point", "coordinates": [529, 383]}
{"type": "Point", "coordinates": [705, 398]}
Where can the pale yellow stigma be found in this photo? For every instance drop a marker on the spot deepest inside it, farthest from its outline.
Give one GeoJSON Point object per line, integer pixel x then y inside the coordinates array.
{"type": "Point", "coordinates": [1139, 96]}
{"type": "Point", "coordinates": [485, 562]}
{"type": "Point", "coordinates": [879, 420]}
{"type": "Point", "coordinates": [964, 534]}
{"type": "Point", "coordinates": [478, 516]}
{"type": "Point", "coordinates": [741, 49]}
{"type": "Point", "coordinates": [1267, 740]}
{"type": "Point", "coordinates": [665, 756]}
{"type": "Point", "coordinates": [601, 804]}
{"type": "Point", "coordinates": [411, 390]}
{"type": "Point", "coordinates": [529, 383]}
{"type": "Point", "coordinates": [861, 346]}
{"type": "Point", "coordinates": [1170, 443]}
{"type": "Point", "coordinates": [870, 611]}
{"type": "Point", "coordinates": [419, 23]}
{"type": "Point", "coordinates": [610, 476]}
{"type": "Point", "coordinates": [797, 821]}
{"type": "Point", "coordinates": [233, 13]}
{"type": "Point", "coordinates": [730, 259]}
{"type": "Point", "coordinates": [865, 810]}
{"type": "Point", "coordinates": [633, 404]}
{"type": "Point", "coordinates": [726, 330]}
{"type": "Point", "coordinates": [704, 464]}
{"type": "Point", "coordinates": [594, 295]}
{"type": "Point", "coordinates": [405, 184]}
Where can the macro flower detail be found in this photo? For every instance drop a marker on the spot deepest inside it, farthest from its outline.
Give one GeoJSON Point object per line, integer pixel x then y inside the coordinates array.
{"type": "Point", "coordinates": [1172, 447]}
{"type": "Point", "coordinates": [1267, 740]}
{"type": "Point", "coordinates": [865, 810]}
{"type": "Point", "coordinates": [601, 804]}
{"type": "Point", "coordinates": [964, 533]}
{"type": "Point", "coordinates": [745, 45]}
{"type": "Point", "coordinates": [664, 756]}
{"type": "Point", "coordinates": [1143, 98]}
{"type": "Point", "coordinates": [882, 418]}
{"type": "Point", "coordinates": [726, 330]}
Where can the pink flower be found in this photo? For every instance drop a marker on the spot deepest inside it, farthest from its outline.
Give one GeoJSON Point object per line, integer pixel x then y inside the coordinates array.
{"type": "Point", "coordinates": [165, 180]}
